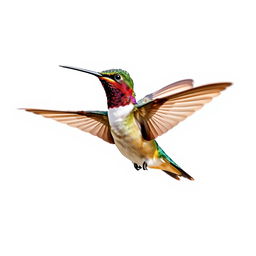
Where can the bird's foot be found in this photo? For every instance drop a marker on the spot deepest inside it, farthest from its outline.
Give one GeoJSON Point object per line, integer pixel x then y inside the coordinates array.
{"type": "Point", "coordinates": [137, 167]}
{"type": "Point", "coordinates": [145, 166]}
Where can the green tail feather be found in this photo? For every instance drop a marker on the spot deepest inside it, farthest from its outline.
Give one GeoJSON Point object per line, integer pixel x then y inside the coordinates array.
{"type": "Point", "coordinates": [175, 176]}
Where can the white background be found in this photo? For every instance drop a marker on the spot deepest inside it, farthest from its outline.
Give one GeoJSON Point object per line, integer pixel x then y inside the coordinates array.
{"type": "Point", "coordinates": [65, 192]}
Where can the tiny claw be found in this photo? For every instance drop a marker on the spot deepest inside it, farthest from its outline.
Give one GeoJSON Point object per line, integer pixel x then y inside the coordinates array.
{"type": "Point", "coordinates": [137, 167]}
{"type": "Point", "coordinates": [145, 166]}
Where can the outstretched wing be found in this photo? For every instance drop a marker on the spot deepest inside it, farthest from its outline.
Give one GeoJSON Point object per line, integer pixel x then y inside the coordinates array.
{"type": "Point", "coordinates": [167, 91]}
{"type": "Point", "coordinates": [161, 114]}
{"type": "Point", "coordinates": [94, 122]}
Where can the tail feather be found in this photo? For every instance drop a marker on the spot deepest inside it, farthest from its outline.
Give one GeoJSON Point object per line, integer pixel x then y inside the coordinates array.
{"type": "Point", "coordinates": [170, 167]}
{"type": "Point", "coordinates": [176, 176]}
{"type": "Point", "coordinates": [173, 175]}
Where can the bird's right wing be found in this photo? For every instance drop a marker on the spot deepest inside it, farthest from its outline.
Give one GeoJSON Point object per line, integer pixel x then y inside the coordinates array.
{"type": "Point", "coordinates": [94, 122]}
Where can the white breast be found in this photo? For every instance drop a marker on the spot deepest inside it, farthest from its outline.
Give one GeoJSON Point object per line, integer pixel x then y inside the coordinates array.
{"type": "Point", "coordinates": [117, 115]}
{"type": "Point", "coordinates": [126, 133]}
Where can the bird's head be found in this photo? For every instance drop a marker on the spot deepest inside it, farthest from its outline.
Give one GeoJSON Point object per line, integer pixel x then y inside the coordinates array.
{"type": "Point", "coordinates": [117, 84]}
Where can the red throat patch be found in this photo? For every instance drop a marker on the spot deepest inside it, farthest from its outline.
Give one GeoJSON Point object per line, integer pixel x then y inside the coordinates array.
{"type": "Point", "coordinates": [118, 94]}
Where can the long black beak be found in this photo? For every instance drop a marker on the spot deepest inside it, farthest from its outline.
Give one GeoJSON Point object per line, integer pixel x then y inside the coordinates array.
{"type": "Point", "coordinates": [83, 70]}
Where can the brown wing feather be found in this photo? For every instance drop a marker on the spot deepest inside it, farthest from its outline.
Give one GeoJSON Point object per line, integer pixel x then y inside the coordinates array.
{"type": "Point", "coordinates": [160, 115]}
{"type": "Point", "coordinates": [95, 123]}
{"type": "Point", "coordinates": [168, 90]}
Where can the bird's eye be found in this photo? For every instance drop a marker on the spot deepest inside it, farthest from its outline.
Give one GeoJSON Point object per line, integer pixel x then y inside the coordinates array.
{"type": "Point", "coordinates": [117, 77]}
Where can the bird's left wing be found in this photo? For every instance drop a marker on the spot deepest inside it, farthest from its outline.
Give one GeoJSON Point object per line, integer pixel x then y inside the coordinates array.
{"type": "Point", "coordinates": [94, 122]}
{"type": "Point", "coordinates": [168, 90]}
{"type": "Point", "coordinates": [161, 114]}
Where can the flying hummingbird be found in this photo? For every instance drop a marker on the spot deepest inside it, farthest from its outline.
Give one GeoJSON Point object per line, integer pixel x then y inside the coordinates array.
{"type": "Point", "coordinates": [133, 126]}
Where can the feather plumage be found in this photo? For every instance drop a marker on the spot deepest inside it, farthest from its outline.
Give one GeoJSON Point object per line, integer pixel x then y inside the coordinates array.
{"type": "Point", "coordinates": [94, 122]}
{"type": "Point", "coordinates": [160, 114]}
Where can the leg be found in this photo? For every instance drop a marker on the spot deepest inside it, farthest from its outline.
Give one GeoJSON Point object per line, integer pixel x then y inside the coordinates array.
{"type": "Point", "coordinates": [145, 166]}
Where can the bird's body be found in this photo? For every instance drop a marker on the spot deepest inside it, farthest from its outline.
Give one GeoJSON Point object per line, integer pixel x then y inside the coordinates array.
{"type": "Point", "coordinates": [127, 135]}
{"type": "Point", "coordinates": [133, 126]}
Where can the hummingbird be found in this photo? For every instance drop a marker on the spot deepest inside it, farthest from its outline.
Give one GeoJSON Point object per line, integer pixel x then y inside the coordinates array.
{"type": "Point", "coordinates": [133, 126]}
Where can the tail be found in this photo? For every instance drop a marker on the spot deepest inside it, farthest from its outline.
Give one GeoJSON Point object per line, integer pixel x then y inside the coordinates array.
{"type": "Point", "coordinates": [177, 176]}
{"type": "Point", "coordinates": [170, 167]}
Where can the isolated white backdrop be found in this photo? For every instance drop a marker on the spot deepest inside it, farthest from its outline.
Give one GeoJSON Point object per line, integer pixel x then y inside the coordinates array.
{"type": "Point", "coordinates": [65, 192]}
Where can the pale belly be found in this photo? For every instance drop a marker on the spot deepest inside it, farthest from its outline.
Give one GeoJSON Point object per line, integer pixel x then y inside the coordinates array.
{"type": "Point", "coordinates": [128, 138]}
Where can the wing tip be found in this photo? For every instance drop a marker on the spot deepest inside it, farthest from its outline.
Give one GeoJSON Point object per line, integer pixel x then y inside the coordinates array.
{"type": "Point", "coordinates": [225, 84]}
{"type": "Point", "coordinates": [32, 110]}
{"type": "Point", "coordinates": [26, 109]}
